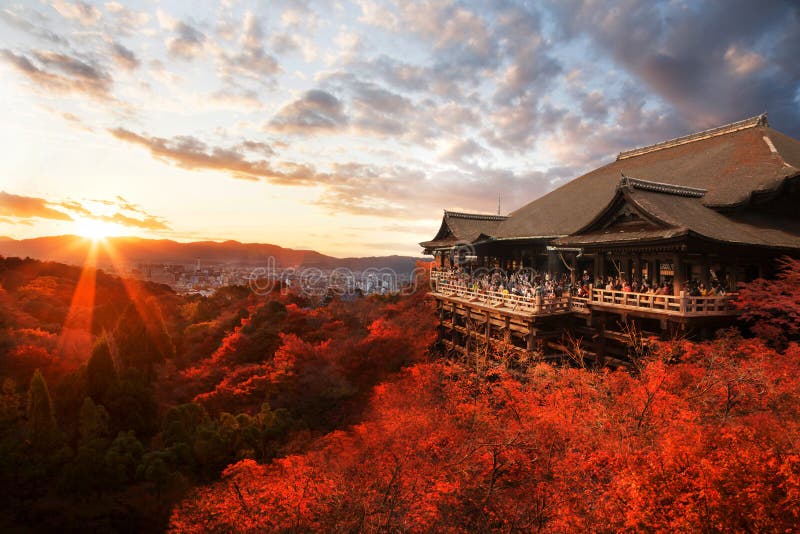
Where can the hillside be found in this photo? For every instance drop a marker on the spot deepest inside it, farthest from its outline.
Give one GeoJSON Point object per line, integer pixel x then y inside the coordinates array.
{"type": "Point", "coordinates": [73, 250]}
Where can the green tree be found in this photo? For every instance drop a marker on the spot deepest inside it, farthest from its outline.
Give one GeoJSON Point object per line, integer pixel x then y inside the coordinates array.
{"type": "Point", "coordinates": [42, 429]}
{"type": "Point", "coordinates": [101, 374]}
{"type": "Point", "coordinates": [123, 457]}
{"type": "Point", "coordinates": [142, 337]}
{"type": "Point", "coordinates": [87, 471]}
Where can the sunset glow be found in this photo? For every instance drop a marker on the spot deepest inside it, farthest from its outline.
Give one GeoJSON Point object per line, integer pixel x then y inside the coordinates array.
{"type": "Point", "coordinates": [96, 230]}
{"type": "Point", "coordinates": [346, 127]}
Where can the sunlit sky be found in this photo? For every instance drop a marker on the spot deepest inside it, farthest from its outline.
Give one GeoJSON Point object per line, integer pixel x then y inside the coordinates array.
{"type": "Point", "coordinates": [347, 127]}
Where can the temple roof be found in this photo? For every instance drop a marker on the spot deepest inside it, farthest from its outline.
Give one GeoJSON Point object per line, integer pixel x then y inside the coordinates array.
{"type": "Point", "coordinates": [732, 164]}
{"type": "Point", "coordinates": [459, 228]}
{"type": "Point", "coordinates": [667, 211]}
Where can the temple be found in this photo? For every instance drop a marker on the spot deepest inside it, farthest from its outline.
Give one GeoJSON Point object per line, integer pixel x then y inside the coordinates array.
{"type": "Point", "coordinates": [660, 239]}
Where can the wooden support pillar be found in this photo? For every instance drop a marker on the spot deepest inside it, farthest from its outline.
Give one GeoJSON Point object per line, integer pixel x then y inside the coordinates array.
{"type": "Point", "coordinates": [507, 333]}
{"type": "Point", "coordinates": [677, 276]}
{"type": "Point", "coordinates": [596, 270]}
{"type": "Point", "coordinates": [705, 266]}
{"type": "Point", "coordinates": [468, 326]}
{"type": "Point", "coordinates": [599, 321]}
{"type": "Point", "coordinates": [637, 267]}
{"type": "Point", "coordinates": [573, 263]}
{"type": "Point", "coordinates": [653, 271]}
{"type": "Point", "coordinates": [488, 334]}
{"type": "Point", "coordinates": [530, 342]}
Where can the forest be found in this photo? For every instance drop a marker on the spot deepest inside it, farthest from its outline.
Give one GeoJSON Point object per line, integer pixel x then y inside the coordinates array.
{"type": "Point", "coordinates": [128, 408]}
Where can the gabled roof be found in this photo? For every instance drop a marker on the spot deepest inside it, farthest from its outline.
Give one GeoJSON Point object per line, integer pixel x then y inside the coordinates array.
{"type": "Point", "coordinates": [459, 228]}
{"type": "Point", "coordinates": [732, 163]}
{"type": "Point", "coordinates": [676, 211]}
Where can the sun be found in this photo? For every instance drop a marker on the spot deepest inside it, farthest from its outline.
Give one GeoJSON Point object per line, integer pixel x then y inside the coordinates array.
{"type": "Point", "coordinates": [94, 229]}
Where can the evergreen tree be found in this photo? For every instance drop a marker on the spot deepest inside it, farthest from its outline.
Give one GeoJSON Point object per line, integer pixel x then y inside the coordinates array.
{"type": "Point", "coordinates": [142, 337]}
{"type": "Point", "coordinates": [42, 428]}
{"type": "Point", "coordinates": [87, 471]}
{"type": "Point", "coordinates": [123, 457]}
{"type": "Point", "coordinates": [100, 371]}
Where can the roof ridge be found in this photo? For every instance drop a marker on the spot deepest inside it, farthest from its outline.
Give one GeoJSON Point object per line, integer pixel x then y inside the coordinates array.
{"type": "Point", "coordinates": [760, 120]}
{"type": "Point", "coordinates": [660, 187]}
{"type": "Point", "coordinates": [476, 216]}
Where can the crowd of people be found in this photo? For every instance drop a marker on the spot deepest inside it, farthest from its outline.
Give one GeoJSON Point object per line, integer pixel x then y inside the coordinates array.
{"type": "Point", "coordinates": [530, 283]}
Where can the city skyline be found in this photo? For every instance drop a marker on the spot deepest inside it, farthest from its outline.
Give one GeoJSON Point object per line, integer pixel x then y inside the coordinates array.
{"type": "Point", "coordinates": [344, 127]}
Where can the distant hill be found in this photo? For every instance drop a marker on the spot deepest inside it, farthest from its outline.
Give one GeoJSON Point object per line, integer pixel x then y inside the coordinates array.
{"type": "Point", "coordinates": [73, 250]}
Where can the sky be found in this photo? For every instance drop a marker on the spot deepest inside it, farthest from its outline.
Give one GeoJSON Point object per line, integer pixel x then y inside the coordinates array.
{"type": "Point", "coordinates": [347, 127]}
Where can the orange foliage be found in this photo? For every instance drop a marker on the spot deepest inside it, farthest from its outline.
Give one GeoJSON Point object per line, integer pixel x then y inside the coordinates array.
{"type": "Point", "coordinates": [708, 442]}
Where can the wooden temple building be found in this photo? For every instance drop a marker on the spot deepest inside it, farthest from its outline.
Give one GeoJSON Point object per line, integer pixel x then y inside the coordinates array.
{"type": "Point", "coordinates": [720, 206]}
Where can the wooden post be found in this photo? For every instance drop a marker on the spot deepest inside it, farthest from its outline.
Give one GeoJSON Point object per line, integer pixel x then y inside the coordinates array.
{"type": "Point", "coordinates": [468, 325]}
{"type": "Point", "coordinates": [653, 275]}
{"type": "Point", "coordinates": [677, 273]}
{"type": "Point", "coordinates": [531, 337]}
{"type": "Point", "coordinates": [507, 333]}
{"type": "Point", "coordinates": [684, 302]}
{"type": "Point", "coordinates": [596, 274]}
{"type": "Point", "coordinates": [705, 276]}
{"type": "Point", "coordinates": [488, 334]}
{"type": "Point", "coordinates": [573, 272]}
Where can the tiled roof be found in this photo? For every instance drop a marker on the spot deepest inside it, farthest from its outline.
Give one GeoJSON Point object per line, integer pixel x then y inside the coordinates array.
{"type": "Point", "coordinates": [731, 164]}
{"type": "Point", "coordinates": [682, 214]}
{"type": "Point", "coordinates": [460, 228]}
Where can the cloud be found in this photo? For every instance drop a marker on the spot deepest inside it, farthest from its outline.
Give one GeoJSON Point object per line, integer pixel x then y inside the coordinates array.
{"type": "Point", "coordinates": [146, 223]}
{"type": "Point", "coordinates": [26, 207]}
{"type": "Point", "coordinates": [191, 153]}
{"type": "Point", "coordinates": [252, 60]}
{"type": "Point", "coordinates": [187, 43]}
{"type": "Point", "coordinates": [124, 57]}
{"type": "Point", "coordinates": [316, 111]}
{"type": "Point", "coordinates": [67, 75]}
{"type": "Point", "coordinates": [127, 20]}
{"type": "Point", "coordinates": [16, 20]}
{"type": "Point", "coordinates": [117, 211]}
{"type": "Point", "coordinates": [711, 62]}
{"type": "Point", "coordinates": [82, 12]}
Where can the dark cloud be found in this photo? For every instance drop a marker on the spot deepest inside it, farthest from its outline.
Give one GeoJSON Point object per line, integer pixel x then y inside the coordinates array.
{"type": "Point", "coordinates": [28, 207]}
{"type": "Point", "coordinates": [317, 111]}
{"type": "Point", "coordinates": [65, 74]}
{"type": "Point", "coordinates": [712, 62]}
{"type": "Point", "coordinates": [124, 57]}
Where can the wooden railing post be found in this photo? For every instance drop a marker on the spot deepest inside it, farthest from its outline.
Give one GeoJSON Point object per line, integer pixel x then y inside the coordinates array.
{"type": "Point", "coordinates": [683, 302]}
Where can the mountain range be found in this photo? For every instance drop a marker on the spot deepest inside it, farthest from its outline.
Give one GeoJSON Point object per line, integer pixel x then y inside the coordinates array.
{"type": "Point", "coordinates": [132, 250]}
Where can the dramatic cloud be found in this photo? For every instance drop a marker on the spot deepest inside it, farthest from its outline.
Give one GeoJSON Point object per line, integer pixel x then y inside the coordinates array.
{"type": "Point", "coordinates": [191, 153]}
{"type": "Point", "coordinates": [389, 108]}
{"type": "Point", "coordinates": [316, 111]}
{"type": "Point", "coordinates": [714, 62]}
{"type": "Point", "coordinates": [27, 207]}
